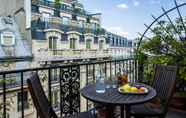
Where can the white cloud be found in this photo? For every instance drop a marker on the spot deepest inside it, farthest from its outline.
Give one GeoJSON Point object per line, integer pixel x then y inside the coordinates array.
{"type": "Point", "coordinates": [123, 6]}
{"type": "Point", "coordinates": [118, 31]}
{"type": "Point", "coordinates": [136, 3]}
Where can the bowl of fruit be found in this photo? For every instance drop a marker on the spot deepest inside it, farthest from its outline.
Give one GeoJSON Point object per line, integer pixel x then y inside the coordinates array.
{"type": "Point", "coordinates": [133, 89]}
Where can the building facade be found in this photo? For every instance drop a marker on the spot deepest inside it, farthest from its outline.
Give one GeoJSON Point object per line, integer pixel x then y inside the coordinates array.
{"type": "Point", "coordinates": [68, 31]}
{"type": "Point", "coordinates": [119, 46]}
{"type": "Point", "coordinates": [64, 31]}
{"type": "Point", "coordinates": [54, 32]}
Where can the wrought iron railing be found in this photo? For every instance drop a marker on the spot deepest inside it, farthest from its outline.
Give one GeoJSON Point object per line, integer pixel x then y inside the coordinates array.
{"type": "Point", "coordinates": [59, 7]}
{"type": "Point", "coordinates": [69, 27]}
{"type": "Point", "coordinates": [62, 84]}
{"type": "Point", "coordinates": [82, 53]}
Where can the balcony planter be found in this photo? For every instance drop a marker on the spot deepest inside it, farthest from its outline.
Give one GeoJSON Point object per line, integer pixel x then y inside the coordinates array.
{"type": "Point", "coordinates": [57, 4]}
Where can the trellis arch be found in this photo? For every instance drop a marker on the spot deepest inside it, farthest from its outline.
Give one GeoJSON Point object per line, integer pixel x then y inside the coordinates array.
{"type": "Point", "coordinates": [156, 20]}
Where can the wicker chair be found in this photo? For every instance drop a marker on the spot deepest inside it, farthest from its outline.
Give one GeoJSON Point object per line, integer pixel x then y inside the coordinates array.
{"type": "Point", "coordinates": [164, 83]}
{"type": "Point", "coordinates": [41, 102]}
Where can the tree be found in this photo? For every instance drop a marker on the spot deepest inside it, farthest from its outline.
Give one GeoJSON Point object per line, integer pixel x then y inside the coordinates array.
{"type": "Point", "coordinates": [58, 3]}
{"type": "Point", "coordinates": [167, 45]}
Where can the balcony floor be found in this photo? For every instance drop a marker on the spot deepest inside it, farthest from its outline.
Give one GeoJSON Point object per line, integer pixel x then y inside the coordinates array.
{"type": "Point", "coordinates": [171, 114]}
{"type": "Point", "coordinates": [176, 114]}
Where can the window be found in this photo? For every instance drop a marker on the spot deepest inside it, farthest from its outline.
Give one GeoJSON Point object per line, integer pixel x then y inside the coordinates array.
{"type": "Point", "coordinates": [117, 42]}
{"type": "Point", "coordinates": [101, 43]}
{"type": "Point", "coordinates": [113, 42]}
{"type": "Point", "coordinates": [56, 13]}
{"type": "Point", "coordinates": [65, 20]}
{"type": "Point", "coordinates": [72, 43]}
{"type": "Point", "coordinates": [45, 17]}
{"type": "Point", "coordinates": [66, 7]}
{"type": "Point", "coordinates": [88, 44]}
{"type": "Point", "coordinates": [81, 23]}
{"type": "Point", "coordinates": [52, 42]}
{"type": "Point", "coordinates": [90, 70]}
{"type": "Point", "coordinates": [7, 39]}
{"type": "Point", "coordinates": [55, 99]}
{"type": "Point", "coordinates": [88, 20]}
{"type": "Point", "coordinates": [129, 43]}
{"type": "Point", "coordinates": [126, 45]}
{"type": "Point", "coordinates": [25, 100]}
{"type": "Point", "coordinates": [74, 17]}
{"type": "Point", "coordinates": [94, 26]}
{"type": "Point", "coordinates": [55, 75]}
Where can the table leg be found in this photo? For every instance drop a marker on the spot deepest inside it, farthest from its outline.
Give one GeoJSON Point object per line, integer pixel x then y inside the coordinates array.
{"type": "Point", "coordinates": [122, 111]}
{"type": "Point", "coordinates": [127, 111]}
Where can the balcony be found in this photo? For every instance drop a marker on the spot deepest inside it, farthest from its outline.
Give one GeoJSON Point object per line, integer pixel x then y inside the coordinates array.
{"type": "Point", "coordinates": [62, 81]}
{"type": "Point", "coordinates": [72, 53]}
{"type": "Point", "coordinates": [62, 7]}
{"type": "Point", "coordinates": [51, 78]}
{"type": "Point", "coordinates": [56, 23]}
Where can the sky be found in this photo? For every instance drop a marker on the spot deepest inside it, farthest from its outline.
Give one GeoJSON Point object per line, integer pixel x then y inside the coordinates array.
{"type": "Point", "coordinates": [127, 17]}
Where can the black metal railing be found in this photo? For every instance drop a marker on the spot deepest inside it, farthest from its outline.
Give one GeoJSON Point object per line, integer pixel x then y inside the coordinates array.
{"type": "Point", "coordinates": [69, 27]}
{"type": "Point", "coordinates": [62, 84]}
{"type": "Point", "coordinates": [60, 7]}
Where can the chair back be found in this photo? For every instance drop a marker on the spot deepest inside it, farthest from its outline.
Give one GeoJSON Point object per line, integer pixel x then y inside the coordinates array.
{"type": "Point", "coordinates": [39, 98]}
{"type": "Point", "coordinates": [164, 82]}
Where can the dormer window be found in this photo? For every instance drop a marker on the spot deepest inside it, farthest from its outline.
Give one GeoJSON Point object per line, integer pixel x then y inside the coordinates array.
{"type": "Point", "coordinates": [56, 13]}
{"type": "Point", "coordinates": [45, 17]}
{"type": "Point", "coordinates": [81, 23]}
{"type": "Point", "coordinates": [94, 26]}
{"type": "Point", "coordinates": [7, 39]}
{"type": "Point", "coordinates": [74, 17]}
{"type": "Point", "coordinates": [88, 20]}
{"type": "Point", "coordinates": [66, 20]}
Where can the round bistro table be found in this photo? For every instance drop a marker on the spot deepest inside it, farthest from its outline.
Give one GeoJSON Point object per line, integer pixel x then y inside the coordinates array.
{"type": "Point", "coordinates": [113, 98]}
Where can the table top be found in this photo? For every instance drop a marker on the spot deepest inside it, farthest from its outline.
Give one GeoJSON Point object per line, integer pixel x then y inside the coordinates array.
{"type": "Point", "coordinates": [113, 97]}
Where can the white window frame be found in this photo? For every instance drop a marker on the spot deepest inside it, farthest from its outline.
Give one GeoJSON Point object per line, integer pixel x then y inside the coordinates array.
{"type": "Point", "coordinates": [7, 34]}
